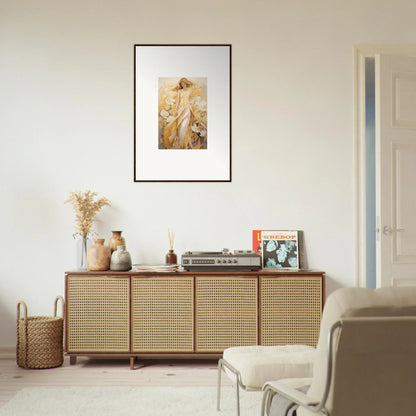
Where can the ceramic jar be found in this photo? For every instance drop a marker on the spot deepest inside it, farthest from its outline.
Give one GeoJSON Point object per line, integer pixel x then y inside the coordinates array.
{"type": "Point", "coordinates": [171, 257]}
{"type": "Point", "coordinates": [120, 259]}
{"type": "Point", "coordinates": [116, 240]}
{"type": "Point", "coordinates": [98, 256]}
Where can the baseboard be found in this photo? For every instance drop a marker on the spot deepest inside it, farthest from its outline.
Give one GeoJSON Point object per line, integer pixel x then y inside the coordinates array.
{"type": "Point", "coordinates": [7, 352]}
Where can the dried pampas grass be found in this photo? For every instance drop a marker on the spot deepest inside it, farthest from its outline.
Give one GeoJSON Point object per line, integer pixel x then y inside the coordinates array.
{"type": "Point", "coordinates": [85, 208]}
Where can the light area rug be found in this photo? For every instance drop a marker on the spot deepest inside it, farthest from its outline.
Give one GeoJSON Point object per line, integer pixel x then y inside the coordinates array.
{"type": "Point", "coordinates": [128, 401]}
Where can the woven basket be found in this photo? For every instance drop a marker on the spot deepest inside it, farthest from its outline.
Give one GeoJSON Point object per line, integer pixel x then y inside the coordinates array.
{"type": "Point", "coordinates": [40, 339]}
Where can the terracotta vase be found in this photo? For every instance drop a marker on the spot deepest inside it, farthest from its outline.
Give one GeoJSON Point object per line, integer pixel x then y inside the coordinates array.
{"type": "Point", "coordinates": [98, 256]}
{"type": "Point", "coordinates": [116, 240]}
{"type": "Point", "coordinates": [120, 259]}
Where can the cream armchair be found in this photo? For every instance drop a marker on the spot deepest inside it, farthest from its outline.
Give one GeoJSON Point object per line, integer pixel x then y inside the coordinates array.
{"type": "Point", "coordinates": [365, 362]}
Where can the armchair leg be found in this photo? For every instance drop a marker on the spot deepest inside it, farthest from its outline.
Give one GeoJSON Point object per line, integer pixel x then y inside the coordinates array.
{"type": "Point", "coordinates": [237, 389]}
{"type": "Point", "coordinates": [219, 384]}
{"type": "Point", "coordinates": [221, 364]}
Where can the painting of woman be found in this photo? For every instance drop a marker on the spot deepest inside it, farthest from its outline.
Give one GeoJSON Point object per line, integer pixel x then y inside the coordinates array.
{"type": "Point", "coordinates": [182, 113]}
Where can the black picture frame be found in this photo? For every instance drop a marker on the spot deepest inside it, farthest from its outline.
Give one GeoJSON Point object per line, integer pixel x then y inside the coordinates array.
{"type": "Point", "coordinates": [189, 140]}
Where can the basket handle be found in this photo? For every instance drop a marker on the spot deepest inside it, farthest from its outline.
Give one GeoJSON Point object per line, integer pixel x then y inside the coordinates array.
{"type": "Point", "coordinates": [24, 340]}
{"type": "Point", "coordinates": [59, 298]}
{"type": "Point", "coordinates": [21, 303]}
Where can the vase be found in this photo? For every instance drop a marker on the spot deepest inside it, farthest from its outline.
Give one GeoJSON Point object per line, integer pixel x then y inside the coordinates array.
{"type": "Point", "coordinates": [120, 259]}
{"type": "Point", "coordinates": [171, 257]}
{"type": "Point", "coordinates": [82, 245]}
{"type": "Point", "coordinates": [116, 240]}
{"type": "Point", "coordinates": [98, 256]}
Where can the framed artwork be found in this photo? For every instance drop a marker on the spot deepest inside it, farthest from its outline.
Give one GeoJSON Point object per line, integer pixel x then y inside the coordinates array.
{"type": "Point", "coordinates": [182, 113]}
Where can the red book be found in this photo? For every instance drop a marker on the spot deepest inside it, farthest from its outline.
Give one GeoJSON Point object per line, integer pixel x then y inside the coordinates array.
{"type": "Point", "coordinates": [257, 241]}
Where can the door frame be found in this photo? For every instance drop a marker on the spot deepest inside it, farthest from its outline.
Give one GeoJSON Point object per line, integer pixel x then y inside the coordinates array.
{"type": "Point", "coordinates": [360, 53]}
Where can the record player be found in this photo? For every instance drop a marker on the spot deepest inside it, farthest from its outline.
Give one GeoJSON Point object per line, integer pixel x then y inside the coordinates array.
{"type": "Point", "coordinates": [221, 260]}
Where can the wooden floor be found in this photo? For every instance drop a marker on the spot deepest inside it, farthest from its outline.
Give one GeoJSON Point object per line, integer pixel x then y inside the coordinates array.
{"type": "Point", "coordinates": [107, 372]}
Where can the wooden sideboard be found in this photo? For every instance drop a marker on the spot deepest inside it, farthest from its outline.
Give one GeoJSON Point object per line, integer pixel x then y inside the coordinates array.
{"type": "Point", "coordinates": [189, 313]}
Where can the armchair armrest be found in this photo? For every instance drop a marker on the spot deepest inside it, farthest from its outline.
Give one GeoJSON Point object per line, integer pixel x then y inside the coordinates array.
{"type": "Point", "coordinates": [289, 388]}
{"type": "Point", "coordinates": [281, 387]}
{"type": "Point", "coordinates": [291, 393]}
{"type": "Point", "coordinates": [294, 383]}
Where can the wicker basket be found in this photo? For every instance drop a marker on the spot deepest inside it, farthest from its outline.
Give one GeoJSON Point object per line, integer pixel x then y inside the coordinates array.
{"type": "Point", "coordinates": [40, 339]}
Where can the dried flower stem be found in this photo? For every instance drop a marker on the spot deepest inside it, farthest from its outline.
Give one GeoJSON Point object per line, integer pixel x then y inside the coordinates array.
{"type": "Point", "coordinates": [85, 210]}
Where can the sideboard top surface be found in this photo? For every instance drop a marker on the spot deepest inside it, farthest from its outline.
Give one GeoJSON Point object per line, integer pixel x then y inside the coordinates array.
{"type": "Point", "coordinates": [261, 272]}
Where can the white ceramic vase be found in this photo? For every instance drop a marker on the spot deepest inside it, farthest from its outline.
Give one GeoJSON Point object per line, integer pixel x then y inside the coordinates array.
{"type": "Point", "coordinates": [120, 259]}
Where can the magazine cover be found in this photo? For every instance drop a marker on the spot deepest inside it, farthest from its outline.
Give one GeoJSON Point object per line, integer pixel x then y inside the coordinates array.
{"type": "Point", "coordinates": [278, 248]}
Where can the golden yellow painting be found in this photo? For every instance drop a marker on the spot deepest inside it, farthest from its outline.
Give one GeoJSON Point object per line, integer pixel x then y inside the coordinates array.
{"type": "Point", "coordinates": [182, 113]}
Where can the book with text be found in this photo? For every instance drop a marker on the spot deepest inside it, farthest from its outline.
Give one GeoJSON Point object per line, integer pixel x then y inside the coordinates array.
{"type": "Point", "coordinates": [279, 248]}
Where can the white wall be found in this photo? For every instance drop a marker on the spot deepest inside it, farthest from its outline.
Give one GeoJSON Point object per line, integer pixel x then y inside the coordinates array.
{"type": "Point", "coordinates": [66, 97]}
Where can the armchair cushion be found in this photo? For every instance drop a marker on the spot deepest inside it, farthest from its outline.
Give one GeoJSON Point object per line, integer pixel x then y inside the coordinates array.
{"type": "Point", "coordinates": [258, 364]}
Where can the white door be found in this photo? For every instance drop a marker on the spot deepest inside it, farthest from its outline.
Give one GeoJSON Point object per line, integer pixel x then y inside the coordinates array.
{"type": "Point", "coordinates": [396, 170]}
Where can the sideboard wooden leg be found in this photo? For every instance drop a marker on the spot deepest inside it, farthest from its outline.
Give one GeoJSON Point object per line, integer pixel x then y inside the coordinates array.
{"type": "Point", "coordinates": [132, 363]}
{"type": "Point", "coordinates": [72, 360]}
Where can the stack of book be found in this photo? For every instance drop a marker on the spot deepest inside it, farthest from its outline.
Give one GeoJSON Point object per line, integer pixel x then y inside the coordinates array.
{"type": "Point", "coordinates": [155, 268]}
